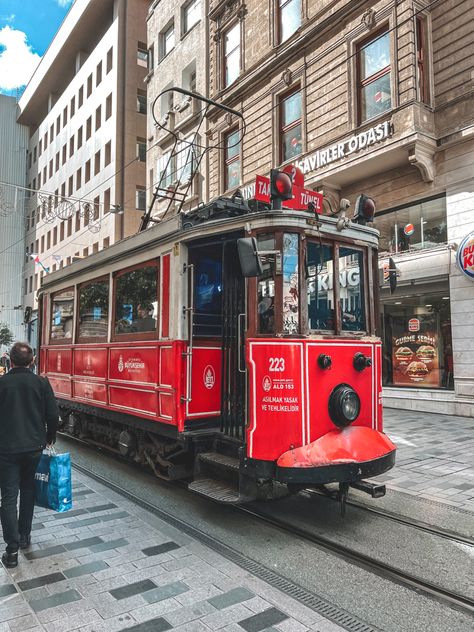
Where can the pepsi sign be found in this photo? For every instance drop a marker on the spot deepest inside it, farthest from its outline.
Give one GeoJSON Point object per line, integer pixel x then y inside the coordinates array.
{"type": "Point", "coordinates": [465, 256]}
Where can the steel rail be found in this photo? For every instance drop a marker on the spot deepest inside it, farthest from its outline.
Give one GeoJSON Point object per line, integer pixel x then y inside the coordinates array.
{"type": "Point", "coordinates": [386, 571]}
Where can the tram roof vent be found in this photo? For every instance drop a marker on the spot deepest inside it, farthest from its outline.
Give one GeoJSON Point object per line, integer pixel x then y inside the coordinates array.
{"type": "Point", "coordinates": [220, 208]}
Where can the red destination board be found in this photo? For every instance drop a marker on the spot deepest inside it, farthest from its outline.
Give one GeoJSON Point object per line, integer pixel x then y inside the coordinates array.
{"type": "Point", "coordinates": [301, 197]}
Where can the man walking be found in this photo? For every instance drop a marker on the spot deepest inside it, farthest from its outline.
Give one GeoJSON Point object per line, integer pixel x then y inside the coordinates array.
{"type": "Point", "coordinates": [28, 420]}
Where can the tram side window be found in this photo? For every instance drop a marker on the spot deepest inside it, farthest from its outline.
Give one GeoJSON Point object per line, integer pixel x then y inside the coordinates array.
{"type": "Point", "coordinates": [291, 306]}
{"type": "Point", "coordinates": [94, 310]}
{"type": "Point", "coordinates": [266, 289]}
{"type": "Point", "coordinates": [320, 287]}
{"type": "Point", "coordinates": [136, 301]}
{"type": "Point", "coordinates": [351, 289]}
{"type": "Point", "coordinates": [62, 314]}
{"type": "Point", "coordinates": [207, 318]}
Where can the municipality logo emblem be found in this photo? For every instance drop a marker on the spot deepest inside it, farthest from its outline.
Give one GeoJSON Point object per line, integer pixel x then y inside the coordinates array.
{"type": "Point", "coordinates": [120, 364]}
{"type": "Point", "coordinates": [209, 377]}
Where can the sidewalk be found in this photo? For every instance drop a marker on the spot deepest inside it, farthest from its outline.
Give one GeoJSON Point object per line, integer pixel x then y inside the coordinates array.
{"type": "Point", "coordinates": [108, 565]}
{"type": "Point", "coordinates": [434, 456]}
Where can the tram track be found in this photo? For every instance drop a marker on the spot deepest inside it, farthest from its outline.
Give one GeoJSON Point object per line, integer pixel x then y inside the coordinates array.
{"type": "Point", "coordinates": [409, 580]}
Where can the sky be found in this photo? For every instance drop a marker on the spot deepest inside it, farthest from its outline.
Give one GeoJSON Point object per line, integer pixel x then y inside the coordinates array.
{"type": "Point", "coordinates": [26, 30]}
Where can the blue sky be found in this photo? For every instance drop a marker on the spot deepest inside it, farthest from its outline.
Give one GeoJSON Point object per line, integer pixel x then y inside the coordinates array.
{"type": "Point", "coordinates": [26, 30]}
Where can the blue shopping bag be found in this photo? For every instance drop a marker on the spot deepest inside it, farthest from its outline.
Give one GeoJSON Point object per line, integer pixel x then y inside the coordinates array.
{"type": "Point", "coordinates": [53, 481]}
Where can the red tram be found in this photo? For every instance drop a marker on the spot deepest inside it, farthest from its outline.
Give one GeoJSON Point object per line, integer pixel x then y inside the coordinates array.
{"type": "Point", "coordinates": [161, 349]}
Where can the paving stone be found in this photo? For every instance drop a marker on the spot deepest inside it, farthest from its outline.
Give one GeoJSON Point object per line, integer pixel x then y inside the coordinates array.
{"type": "Point", "coordinates": [38, 554]}
{"type": "Point", "coordinates": [153, 625]}
{"type": "Point", "coordinates": [73, 622]}
{"type": "Point", "coordinates": [23, 623]}
{"type": "Point", "coordinates": [189, 613]}
{"type": "Point", "coordinates": [192, 626]}
{"type": "Point", "coordinates": [55, 600]}
{"type": "Point", "coordinates": [84, 569]}
{"type": "Point", "coordinates": [157, 609]}
{"type": "Point", "coordinates": [7, 589]}
{"type": "Point", "coordinates": [263, 620]}
{"type": "Point", "coordinates": [221, 618]}
{"type": "Point", "coordinates": [84, 543]}
{"type": "Point", "coordinates": [237, 595]}
{"type": "Point", "coordinates": [132, 589]}
{"type": "Point", "coordinates": [105, 507]}
{"type": "Point", "coordinates": [29, 584]}
{"type": "Point", "coordinates": [160, 548]}
{"type": "Point", "coordinates": [78, 524]}
{"type": "Point", "coordinates": [69, 514]}
{"type": "Point", "coordinates": [113, 624]}
{"type": "Point", "coordinates": [165, 592]}
{"type": "Point", "coordinates": [111, 544]}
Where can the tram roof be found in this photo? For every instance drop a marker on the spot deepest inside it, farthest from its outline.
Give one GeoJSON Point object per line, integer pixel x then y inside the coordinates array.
{"type": "Point", "coordinates": [196, 225]}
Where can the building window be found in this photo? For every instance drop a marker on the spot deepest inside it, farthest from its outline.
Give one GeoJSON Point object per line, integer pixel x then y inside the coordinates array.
{"type": "Point", "coordinates": [374, 90]}
{"type": "Point", "coordinates": [412, 228]}
{"type": "Point", "coordinates": [416, 338]}
{"type": "Point", "coordinates": [106, 201]}
{"type": "Point", "coordinates": [191, 15]}
{"type": "Point", "coordinates": [88, 127]}
{"type": "Point", "coordinates": [422, 60]}
{"type": "Point", "coordinates": [108, 107]}
{"type": "Point", "coordinates": [72, 107]}
{"type": "Point", "coordinates": [289, 18]}
{"type": "Point", "coordinates": [89, 85]}
{"type": "Point", "coordinates": [232, 160]}
{"type": "Point", "coordinates": [141, 149]}
{"type": "Point", "coordinates": [290, 126]}
{"type": "Point", "coordinates": [87, 175]}
{"type": "Point", "coordinates": [98, 74]}
{"type": "Point", "coordinates": [71, 146]}
{"type": "Point", "coordinates": [80, 98]}
{"type": "Point", "coordinates": [151, 58]}
{"type": "Point", "coordinates": [109, 60]}
{"type": "Point", "coordinates": [65, 117]}
{"type": "Point", "coordinates": [98, 117]}
{"type": "Point", "coordinates": [141, 101]}
{"type": "Point", "coordinates": [142, 55]}
{"type": "Point", "coordinates": [167, 41]}
{"type": "Point", "coordinates": [58, 125]}
{"type": "Point", "coordinates": [165, 170]}
{"type": "Point", "coordinates": [79, 137]}
{"type": "Point", "coordinates": [108, 153]}
{"type": "Point", "coordinates": [97, 162]}
{"type": "Point", "coordinates": [96, 208]}
{"type": "Point", "coordinates": [78, 179]}
{"type": "Point", "coordinates": [70, 188]}
{"type": "Point", "coordinates": [140, 199]}
{"type": "Point", "coordinates": [64, 154]}
{"type": "Point", "coordinates": [231, 55]}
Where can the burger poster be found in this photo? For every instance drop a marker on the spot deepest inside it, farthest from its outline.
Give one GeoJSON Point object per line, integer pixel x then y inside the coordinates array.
{"type": "Point", "coordinates": [415, 360]}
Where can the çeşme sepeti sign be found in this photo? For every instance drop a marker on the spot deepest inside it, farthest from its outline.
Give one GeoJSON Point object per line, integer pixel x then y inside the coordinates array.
{"type": "Point", "coordinates": [465, 256]}
{"type": "Point", "coordinates": [415, 359]}
{"type": "Point", "coordinates": [324, 157]}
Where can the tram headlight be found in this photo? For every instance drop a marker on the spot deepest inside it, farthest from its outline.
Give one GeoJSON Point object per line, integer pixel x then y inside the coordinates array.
{"type": "Point", "coordinates": [344, 405]}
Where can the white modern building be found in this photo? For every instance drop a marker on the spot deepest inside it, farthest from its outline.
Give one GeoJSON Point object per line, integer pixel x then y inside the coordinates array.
{"type": "Point", "coordinates": [13, 151]}
{"type": "Point", "coordinates": [85, 107]}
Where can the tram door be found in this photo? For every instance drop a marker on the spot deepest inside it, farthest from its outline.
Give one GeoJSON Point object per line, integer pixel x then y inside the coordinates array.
{"type": "Point", "coordinates": [218, 319]}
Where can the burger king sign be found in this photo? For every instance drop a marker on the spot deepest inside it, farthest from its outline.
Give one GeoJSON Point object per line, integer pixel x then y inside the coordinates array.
{"type": "Point", "coordinates": [465, 256]}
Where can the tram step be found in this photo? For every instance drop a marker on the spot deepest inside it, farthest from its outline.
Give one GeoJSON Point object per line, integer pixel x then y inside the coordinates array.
{"type": "Point", "coordinates": [216, 490]}
{"type": "Point", "coordinates": [218, 459]}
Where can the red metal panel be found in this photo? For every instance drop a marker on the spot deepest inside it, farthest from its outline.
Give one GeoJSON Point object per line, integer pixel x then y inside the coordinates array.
{"type": "Point", "coordinates": [59, 360]}
{"type": "Point", "coordinates": [166, 405]}
{"type": "Point", "coordinates": [133, 400]}
{"type": "Point", "coordinates": [277, 411]}
{"type": "Point", "coordinates": [206, 382]}
{"type": "Point", "coordinates": [93, 392]}
{"type": "Point", "coordinates": [165, 296]}
{"type": "Point", "coordinates": [134, 364]}
{"type": "Point", "coordinates": [60, 386]}
{"type": "Point", "coordinates": [168, 367]}
{"type": "Point", "coordinates": [90, 361]}
{"type": "Point", "coordinates": [321, 383]}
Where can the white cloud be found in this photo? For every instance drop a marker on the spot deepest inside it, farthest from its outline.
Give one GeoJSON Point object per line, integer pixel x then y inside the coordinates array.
{"type": "Point", "coordinates": [64, 3]}
{"type": "Point", "coordinates": [17, 61]}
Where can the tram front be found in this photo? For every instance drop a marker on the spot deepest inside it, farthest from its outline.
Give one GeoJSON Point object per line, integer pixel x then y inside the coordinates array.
{"type": "Point", "coordinates": [313, 356]}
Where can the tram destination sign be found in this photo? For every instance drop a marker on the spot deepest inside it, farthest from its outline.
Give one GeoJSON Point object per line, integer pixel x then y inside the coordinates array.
{"type": "Point", "coordinates": [300, 200]}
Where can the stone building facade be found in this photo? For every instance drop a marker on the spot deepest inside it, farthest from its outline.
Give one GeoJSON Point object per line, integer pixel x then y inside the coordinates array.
{"type": "Point", "coordinates": [373, 98]}
{"type": "Point", "coordinates": [85, 107]}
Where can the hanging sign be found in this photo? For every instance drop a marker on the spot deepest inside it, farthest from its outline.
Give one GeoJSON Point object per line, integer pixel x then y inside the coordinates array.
{"type": "Point", "coordinates": [415, 359]}
{"type": "Point", "coordinates": [465, 256]}
{"type": "Point", "coordinates": [300, 200]}
{"type": "Point", "coordinates": [408, 230]}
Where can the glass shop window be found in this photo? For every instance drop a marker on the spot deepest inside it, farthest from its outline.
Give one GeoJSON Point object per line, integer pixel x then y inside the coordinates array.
{"type": "Point", "coordinates": [266, 289]}
{"type": "Point", "coordinates": [94, 310]}
{"type": "Point", "coordinates": [291, 306]}
{"type": "Point", "coordinates": [415, 227]}
{"type": "Point", "coordinates": [320, 287]}
{"type": "Point", "coordinates": [62, 316]}
{"type": "Point", "coordinates": [136, 301]}
{"type": "Point", "coordinates": [351, 289]}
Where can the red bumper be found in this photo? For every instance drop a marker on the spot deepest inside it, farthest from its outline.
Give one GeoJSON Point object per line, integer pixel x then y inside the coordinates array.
{"type": "Point", "coordinates": [348, 455]}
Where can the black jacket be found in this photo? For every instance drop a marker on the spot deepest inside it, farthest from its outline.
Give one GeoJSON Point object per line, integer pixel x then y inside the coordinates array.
{"type": "Point", "coordinates": [28, 412]}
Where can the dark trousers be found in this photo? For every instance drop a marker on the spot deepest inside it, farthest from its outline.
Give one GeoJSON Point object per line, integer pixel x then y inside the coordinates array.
{"type": "Point", "coordinates": [17, 474]}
